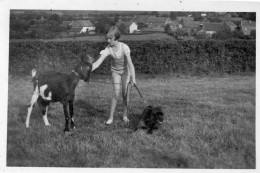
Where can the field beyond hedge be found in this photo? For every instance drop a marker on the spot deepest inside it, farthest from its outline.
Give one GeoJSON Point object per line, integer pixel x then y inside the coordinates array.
{"type": "Point", "coordinates": [192, 57]}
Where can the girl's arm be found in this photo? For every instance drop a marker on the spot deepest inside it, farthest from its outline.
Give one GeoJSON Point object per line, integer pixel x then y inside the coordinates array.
{"type": "Point", "coordinates": [97, 63]}
{"type": "Point", "coordinates": [131, 67]}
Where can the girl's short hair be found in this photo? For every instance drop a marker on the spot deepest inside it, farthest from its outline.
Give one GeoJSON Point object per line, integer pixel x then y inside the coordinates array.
{"type": "Point", "coordinates": [115, 31]}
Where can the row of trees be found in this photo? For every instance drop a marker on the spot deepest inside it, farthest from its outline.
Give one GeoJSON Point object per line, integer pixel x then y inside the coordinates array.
{"type": "Point", "coordinates": [25, 26]}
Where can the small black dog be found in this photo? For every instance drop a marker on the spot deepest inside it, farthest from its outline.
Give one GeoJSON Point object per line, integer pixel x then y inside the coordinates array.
{"type": "Point", "coordinates": [150, 119]}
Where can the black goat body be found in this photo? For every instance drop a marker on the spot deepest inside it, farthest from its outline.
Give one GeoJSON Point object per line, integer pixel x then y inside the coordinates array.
{"type": "Point", "coordinates": [151, 119]}
{"type": "Point", "coordinates": [58, 87]}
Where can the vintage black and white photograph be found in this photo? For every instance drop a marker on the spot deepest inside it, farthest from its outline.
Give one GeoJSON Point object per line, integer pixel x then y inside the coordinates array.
{"type": "Point", "coordinates": [90, 87]}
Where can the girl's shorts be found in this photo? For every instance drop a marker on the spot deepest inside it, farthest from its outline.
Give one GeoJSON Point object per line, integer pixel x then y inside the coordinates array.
{"type": "Point", "coordinates": [123, 74]}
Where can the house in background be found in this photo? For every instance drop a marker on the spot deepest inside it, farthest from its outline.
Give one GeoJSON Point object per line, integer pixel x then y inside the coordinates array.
{"type": "Point", "coordinates": [235, 20]}
{"type": "Point", "coordinates": [82, 26]}
{"type": "Point", "coordinates": [42, 20]}
{"type": "Point", "coordinates": [247, 26]}
{"type": "Point", "coordinates": [141, 20]}
{"type": "Point", "coordinates": [210, 28]}
{"type": "Point", "coordinates": [185, 18]}
{"type": "Point", "coordinates": [66, 24]}
{"type": "Point", "coordinates": [158, 23]}
{"type": "Point", "coordinates": [175, 25]}
{"type": "Point", "coordinates": [151, 23]}
{"type": "Point", "coordinates": [191, 26]}
{"type": "Point", "coordinates": [129, 26]}
{"type": "Point", "coordinates": [231, 25]}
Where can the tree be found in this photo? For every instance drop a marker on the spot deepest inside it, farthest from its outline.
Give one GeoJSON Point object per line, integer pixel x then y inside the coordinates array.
{"type": "Point", "coordinates": [253, 34]}
{"type": "Point", "coordinates": [237, 33]}
{"type": "Point", "coordinates": [182, 22]}
{"type": "Point", "coordinates": [155, 13]}
{"type": "Point", "coordinates": [173, 15]}
{"type": "Point", "coordinates": [214, 19]}
{"type": "Point", "coordinates": [116, 18]}
{"type": "Point", "coordinates": [55, 18]}
{"type": "Point", "coordinates": [168, 29]}
{"type": "Point", "coordinates": [122, 28]}
{"type": "Point", "coordinates": [225, 33]}
{"type": "Point", "coordinates": [180, 32]}
{"type": "Point", "coordinates": [103, 23]}
{"type": "Point", "coordinates": [66, 18]}
{"type": "Point", "coordinates": [247, 15]}
{"type": "Point", "coordinates": [144, 13]}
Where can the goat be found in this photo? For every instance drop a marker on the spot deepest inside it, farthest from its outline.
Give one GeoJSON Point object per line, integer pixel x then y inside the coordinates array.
{"type": "Point", "coordinates": [53, 86]}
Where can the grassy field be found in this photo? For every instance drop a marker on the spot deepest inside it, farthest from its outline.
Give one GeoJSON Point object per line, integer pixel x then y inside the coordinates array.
{"type": "Point", "coordinates": [209, 123]}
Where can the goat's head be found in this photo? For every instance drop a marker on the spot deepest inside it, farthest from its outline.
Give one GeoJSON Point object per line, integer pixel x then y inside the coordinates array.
{"type": "Point", "coordinates": [84, 68]}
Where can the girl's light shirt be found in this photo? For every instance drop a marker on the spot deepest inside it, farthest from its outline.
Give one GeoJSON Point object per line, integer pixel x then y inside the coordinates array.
{"type": "Point", "coordinates": [118, 60]}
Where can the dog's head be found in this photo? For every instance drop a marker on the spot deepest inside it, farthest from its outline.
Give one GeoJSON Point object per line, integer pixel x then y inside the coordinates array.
{"type": "Point", "coordinates": [158, 113]}
{"type": "Point", "coordinates": [152, 115]}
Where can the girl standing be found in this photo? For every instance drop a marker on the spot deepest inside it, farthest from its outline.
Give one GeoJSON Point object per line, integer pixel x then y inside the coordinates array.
{"type": "Point", "coordinates": [122, 69]}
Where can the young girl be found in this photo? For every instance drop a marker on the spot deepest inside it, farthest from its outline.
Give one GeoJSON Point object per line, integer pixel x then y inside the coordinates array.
{"type": "Point", "coordinates": [122, 69]}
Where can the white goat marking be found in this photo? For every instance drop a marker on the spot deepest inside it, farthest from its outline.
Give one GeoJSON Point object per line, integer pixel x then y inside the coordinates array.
{"type": "Point", "coordinates": [42, 89]}
{"type": "Point", "coordinates": [33, 100]}
{"type": "Point", "coordinates": [45, 118]}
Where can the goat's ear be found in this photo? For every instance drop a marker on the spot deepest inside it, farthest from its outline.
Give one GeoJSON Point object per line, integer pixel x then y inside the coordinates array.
{"type": "Point", "coordinates": [90, 59]}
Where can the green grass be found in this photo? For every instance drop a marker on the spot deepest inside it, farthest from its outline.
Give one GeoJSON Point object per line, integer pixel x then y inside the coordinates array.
{"type": "Point", "coordinates": [209, 123]}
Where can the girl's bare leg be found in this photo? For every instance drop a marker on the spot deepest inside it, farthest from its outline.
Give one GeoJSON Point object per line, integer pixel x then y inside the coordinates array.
{"type": "Point", "coordinates": [125, 94]}
{"type": "Point", "coordinates": [116, 92]}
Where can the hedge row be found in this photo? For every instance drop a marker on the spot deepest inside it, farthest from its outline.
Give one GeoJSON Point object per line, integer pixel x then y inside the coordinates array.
{"type": "Point", "coordinates": [149, 57]}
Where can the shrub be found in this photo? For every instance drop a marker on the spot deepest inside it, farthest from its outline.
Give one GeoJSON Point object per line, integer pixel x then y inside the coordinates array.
{"type": "Point", "coordinates": [192, 57]}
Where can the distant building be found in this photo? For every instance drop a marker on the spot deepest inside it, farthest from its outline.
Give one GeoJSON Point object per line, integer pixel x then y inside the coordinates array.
{"type": "Point", "coordinates": [211, 28]}
{"type": "Point", "coordinates": [185, 19]}
{"type": "Point", "coordinates": [130, 26]}
{"type": "Point", "coordinates": [191, 27]}
{"type": "Point", "coordinates": [151, 23]}
{"type": "Point", "coordinates": [174, 25]}
{"type": "Point", "coordinates": [42, 20]}
{"type": "Point", "coordinates": [247, 26]}
{"type": "Point", "coordinates": [158, 23]}
{"type": "Point", "coordinates": [235, 20]}
{"type": "Point", "coordinates": [82, 26]}
{"type": "Point", "coordinates": [231, 25]}
{"type": "Point", "coordinates": [67, 23]}
{"type": "Point", "coordinates": [142, 19]}
{"type": "Point", "coordinates": [191, 24]}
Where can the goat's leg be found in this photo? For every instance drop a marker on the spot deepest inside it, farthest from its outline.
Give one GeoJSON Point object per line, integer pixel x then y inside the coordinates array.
{"type": "Point", "coordinates": [33, 100]}
{"type": "Point", "coordinates": [71, 114]}
{"type": "Point", "coordinates": [65, 108]}
{"type": "Point", "coordinates": [45, 118]}
{"type": "Point", "coordinates": [44, 108]}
